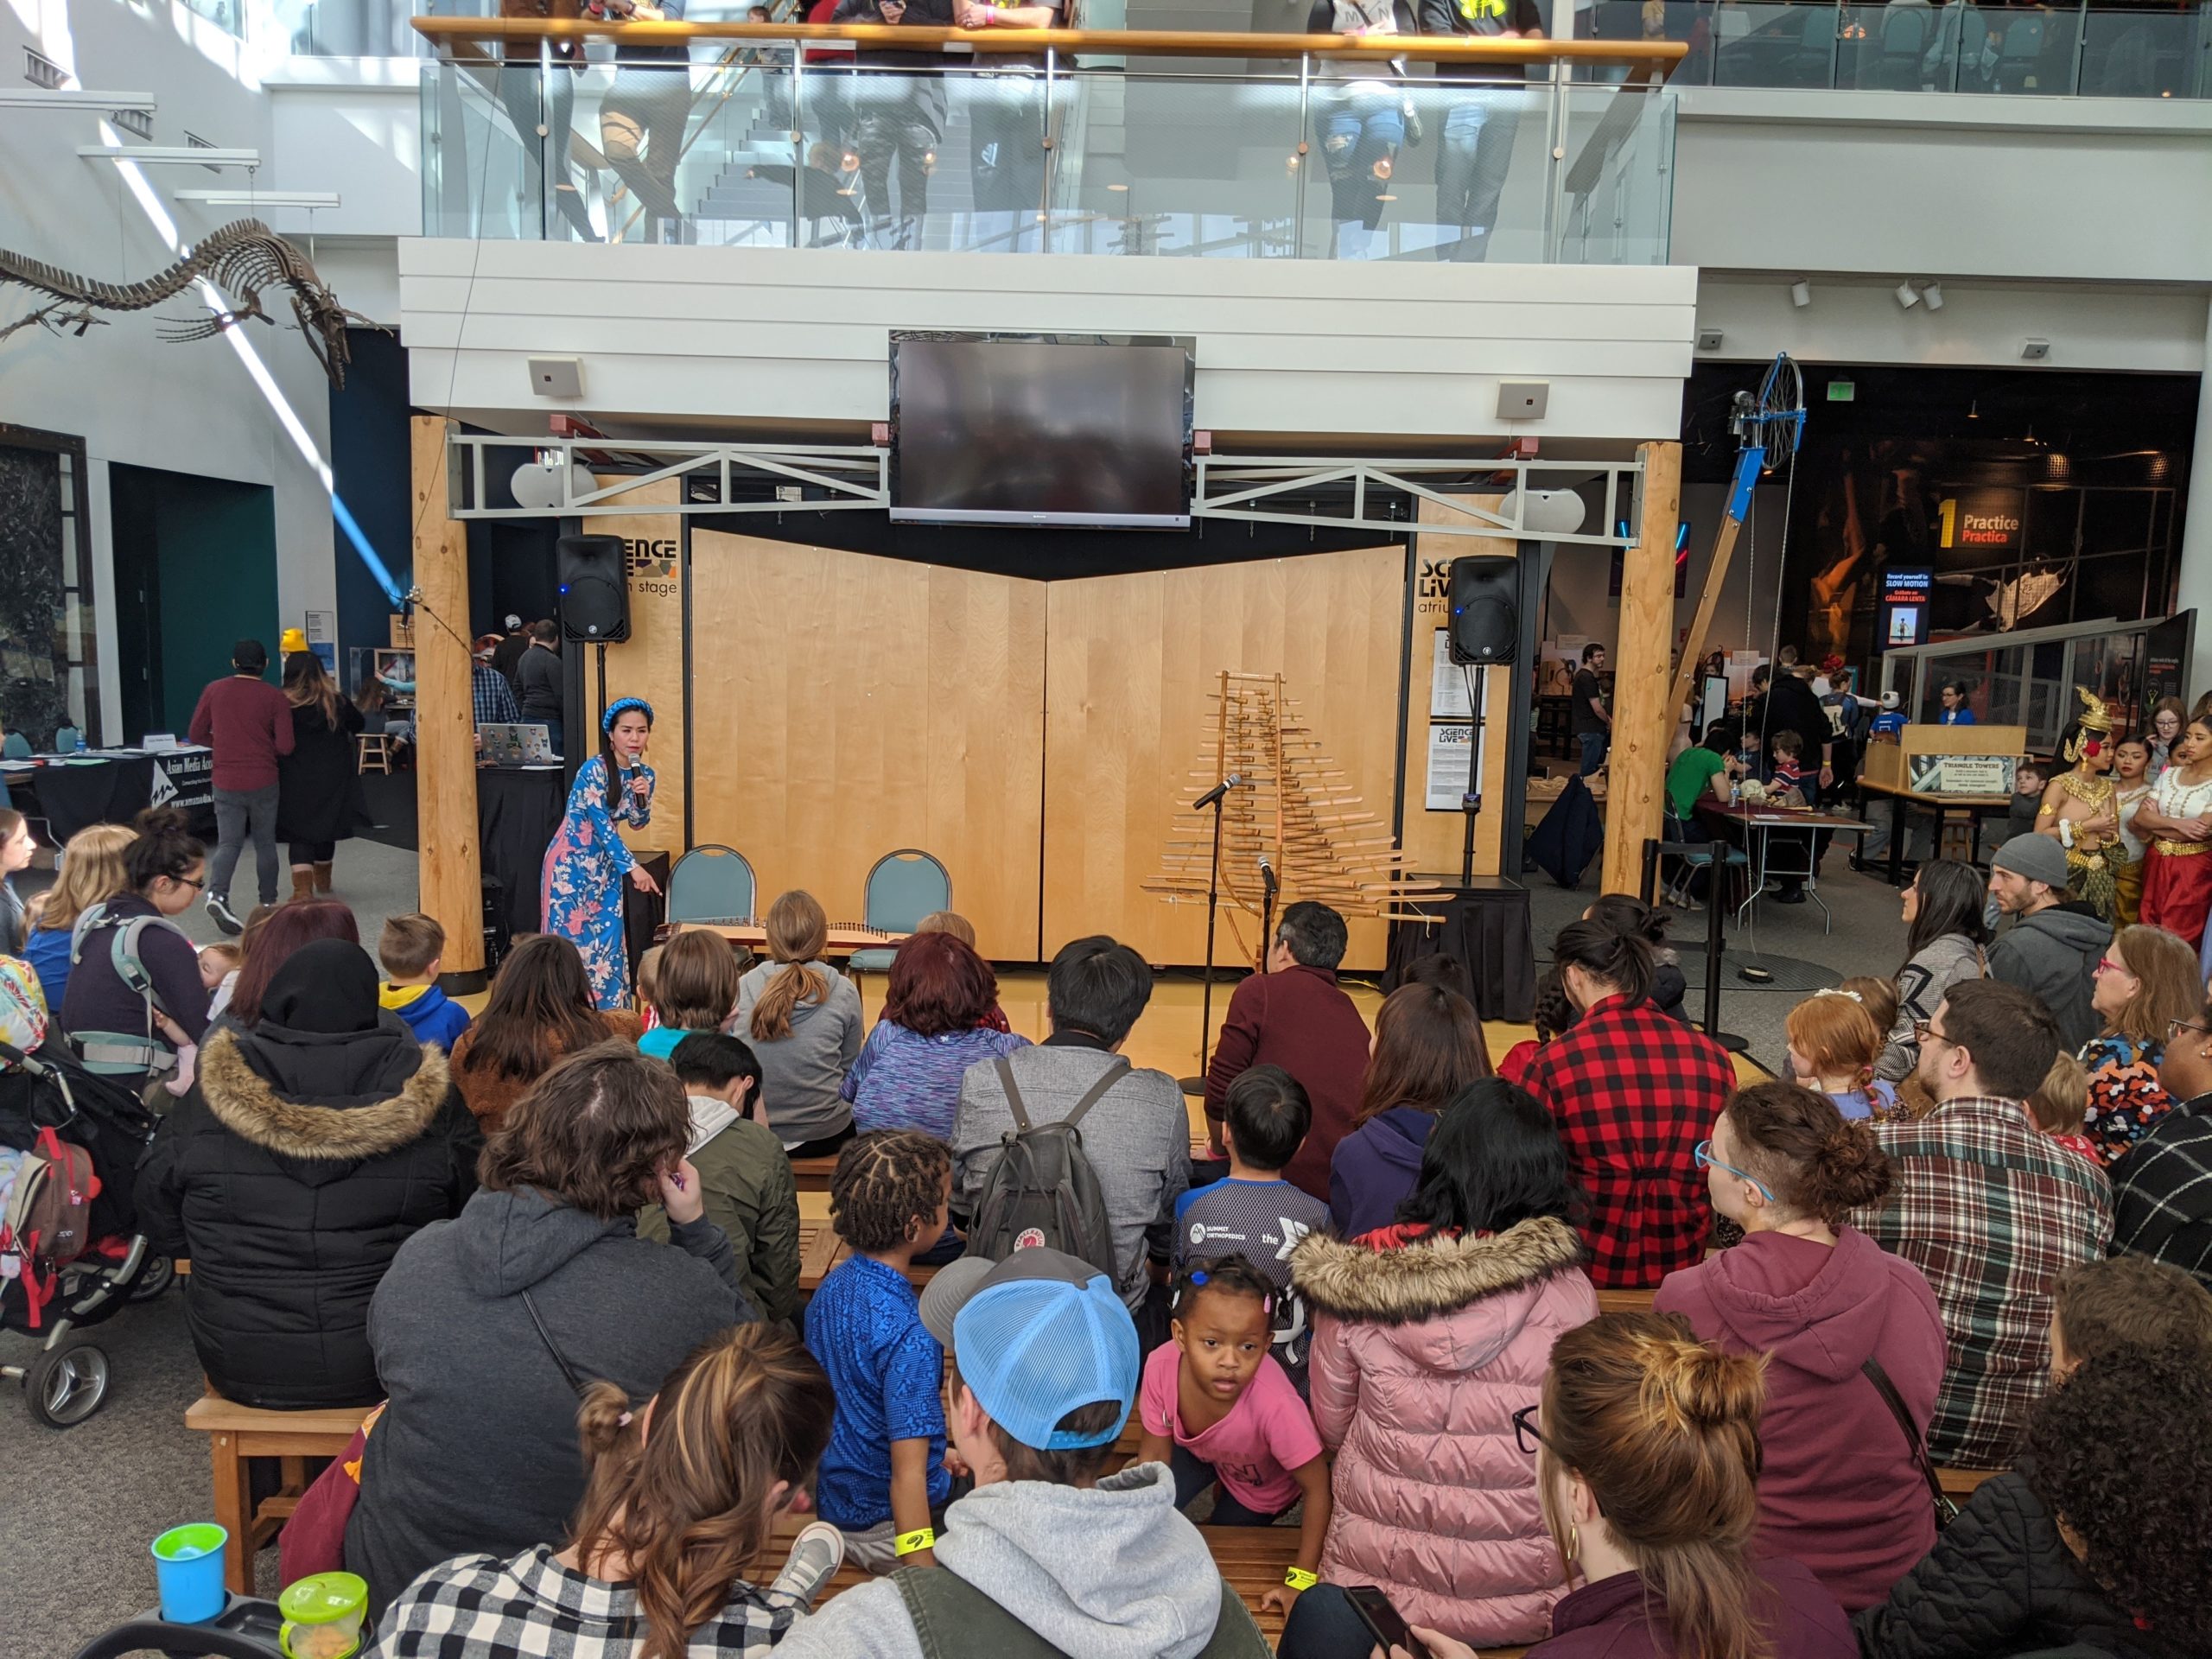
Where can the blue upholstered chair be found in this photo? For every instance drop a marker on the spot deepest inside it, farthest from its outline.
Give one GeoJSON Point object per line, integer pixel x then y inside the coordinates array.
{"type": "Point", "coordinates": [903, 887]}
{"type": "Point", "coordinates": [710, 883]}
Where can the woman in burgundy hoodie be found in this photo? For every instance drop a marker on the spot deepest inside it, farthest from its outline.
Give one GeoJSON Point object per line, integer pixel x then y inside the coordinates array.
{"type": "Point", "coordinates": [1840, 1491]}
{"type": "Point", "coordinates": [1647, 1452]}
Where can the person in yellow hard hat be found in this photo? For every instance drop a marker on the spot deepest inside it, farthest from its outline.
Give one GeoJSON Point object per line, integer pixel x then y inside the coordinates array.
{"type": "Point", "coordinates": [294, 639]}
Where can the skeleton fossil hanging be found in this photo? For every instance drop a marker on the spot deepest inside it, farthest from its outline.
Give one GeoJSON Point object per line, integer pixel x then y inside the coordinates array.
{"type": "Point", "coordinates": [242, 259]}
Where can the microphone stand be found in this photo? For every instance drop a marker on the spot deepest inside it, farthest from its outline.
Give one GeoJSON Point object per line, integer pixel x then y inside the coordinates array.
{"type": "Point", "coordinates": [1268, 911]}
{"type": "Point", "coordinates": [1212, 798]}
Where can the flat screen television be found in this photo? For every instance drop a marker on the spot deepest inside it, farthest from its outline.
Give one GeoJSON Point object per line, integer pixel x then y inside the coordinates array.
{"type": "Point", "coordinates": [1040, 429]}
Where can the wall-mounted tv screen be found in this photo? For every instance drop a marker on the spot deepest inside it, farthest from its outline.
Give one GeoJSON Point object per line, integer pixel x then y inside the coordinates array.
{"type": "Point", "coordinates": [1040, 429]}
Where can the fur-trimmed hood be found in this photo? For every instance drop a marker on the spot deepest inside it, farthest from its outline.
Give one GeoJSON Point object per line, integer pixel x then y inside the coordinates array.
{"type": "Point", "coordinates": [321, 1098]}
{"type": "Point", "coordinates": [1430, 1277]}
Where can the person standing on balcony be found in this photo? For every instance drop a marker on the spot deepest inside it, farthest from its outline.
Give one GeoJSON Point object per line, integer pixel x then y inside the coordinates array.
{"type": "Point", "coordinates": [1481, 123]}
{"type": "Point", "coordinates": [901, 98]}
{"type": "Point", "coordinates": [1360, 118]}
{"type": "Point", "coordinates": [1006, 126]}
{"type": "Point", "coordinates": [641, 121]}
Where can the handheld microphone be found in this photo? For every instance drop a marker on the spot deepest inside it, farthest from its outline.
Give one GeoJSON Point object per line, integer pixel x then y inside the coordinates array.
{"type": "Point", "coordinates": [1212, 797]}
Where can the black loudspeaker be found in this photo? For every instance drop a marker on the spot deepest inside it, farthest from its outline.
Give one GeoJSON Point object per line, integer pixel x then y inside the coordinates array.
{"type": "Point", "coordinates": [595, 587]}
{"type": "Point", "coordinates": [1486, 609]}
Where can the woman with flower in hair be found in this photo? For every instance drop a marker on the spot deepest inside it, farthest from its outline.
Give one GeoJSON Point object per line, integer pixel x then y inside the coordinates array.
{"type": "Point", "coordinates": [585, 865]}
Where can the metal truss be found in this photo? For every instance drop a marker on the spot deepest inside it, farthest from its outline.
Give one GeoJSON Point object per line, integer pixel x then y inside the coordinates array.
{"type": "Point", "coordinates": [835, 478]}
{"type": "Point", "coordinates": [817, 478]}
{"type": "Point", "coordinates": [1287, 490]}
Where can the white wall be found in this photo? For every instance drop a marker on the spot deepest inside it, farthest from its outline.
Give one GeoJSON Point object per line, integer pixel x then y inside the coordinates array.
{"type": "Point", "coordinates": [1914, 184]}
{"type": "Point", "coordinates": [190, 408]}
{"type": "Point", "coordinates": [1580, 603]}
{"type": "Point", "coordinates": [803, 335]}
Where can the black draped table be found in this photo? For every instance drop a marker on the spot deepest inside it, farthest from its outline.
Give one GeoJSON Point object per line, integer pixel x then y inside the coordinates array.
{"type": "Point", "coordinates": [1486, 926]}
{"type": "Point", "coordinates": [113, 786]}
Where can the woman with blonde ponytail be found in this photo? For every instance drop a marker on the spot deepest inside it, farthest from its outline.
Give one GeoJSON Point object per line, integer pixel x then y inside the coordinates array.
{"type": "Point", "coordinates": [682, 1493]}
{"type": "Point", "coordinates": [1841, 1490]}
{"type": "Point", "coordinates": [1646, 1450]}
{"type": "Point", "coordinates": [802, 1019]}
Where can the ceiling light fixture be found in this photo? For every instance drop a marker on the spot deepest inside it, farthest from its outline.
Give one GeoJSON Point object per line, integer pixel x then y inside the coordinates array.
{"type": "Point", "coordinates": [308, 199]}
{"type": "Point", "coordinates": [1800, 293]}
{"type": "Point", "coordinates": [1934, 295]}
{"type": "Point", "coordinates": [1907, 296]}
{"type": "Point", "coordinates": [70, 98]}
{"type": "Point", "coordinates": [170, 154]}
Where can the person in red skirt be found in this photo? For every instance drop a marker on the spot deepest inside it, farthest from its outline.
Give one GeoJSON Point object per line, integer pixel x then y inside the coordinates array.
{"type": "Point", "coordinates": [2177, 822]}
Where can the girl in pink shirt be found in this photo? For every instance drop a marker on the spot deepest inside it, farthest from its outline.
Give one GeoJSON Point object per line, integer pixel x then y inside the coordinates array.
{"type": "Point", "coordinates": [1217, 1409]}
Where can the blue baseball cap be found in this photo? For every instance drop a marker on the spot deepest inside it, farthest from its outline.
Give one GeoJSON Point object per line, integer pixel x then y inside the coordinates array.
{"type": "Point", "coordinates": [1036, 1337]}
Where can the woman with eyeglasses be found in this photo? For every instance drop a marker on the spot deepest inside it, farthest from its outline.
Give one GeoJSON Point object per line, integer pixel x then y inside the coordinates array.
{"type": "Point", "coordinates": [115, 1028]}
{"type": "Point", "coordinates": [2146, 979]}
{"type": "Point", "coordinates": [1944, 935]}
{"type": "Point", "coordinates": [1646, 1447]}
{"type": "Point", "coordinates": [1842, 1490]}
{"type": "Point", "coordinates": [1426, 1333]}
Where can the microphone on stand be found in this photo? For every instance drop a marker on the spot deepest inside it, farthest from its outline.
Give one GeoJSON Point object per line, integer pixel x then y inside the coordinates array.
{"type": "Point", "coordinates": [1267, 874]}
{"type": "Point", "coordinates": [1212, 797]}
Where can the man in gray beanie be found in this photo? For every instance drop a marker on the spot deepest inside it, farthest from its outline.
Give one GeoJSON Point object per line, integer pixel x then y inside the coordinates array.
{"type": "Point", "coordinates": [2053, 944]}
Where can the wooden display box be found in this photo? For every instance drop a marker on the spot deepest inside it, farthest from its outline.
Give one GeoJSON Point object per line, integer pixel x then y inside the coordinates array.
{"type": "Point", "coordinates": [1892, 764]}
{"type": "Point", "coordinates": [403, 632]}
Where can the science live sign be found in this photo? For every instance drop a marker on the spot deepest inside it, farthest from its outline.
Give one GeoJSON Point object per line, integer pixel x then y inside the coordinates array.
{"type": "Point", "coordinates": [1989, 520]}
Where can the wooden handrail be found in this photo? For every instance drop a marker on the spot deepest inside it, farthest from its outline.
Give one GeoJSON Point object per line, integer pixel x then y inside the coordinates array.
{"type": "Point", "coordinates": [1110, 42]}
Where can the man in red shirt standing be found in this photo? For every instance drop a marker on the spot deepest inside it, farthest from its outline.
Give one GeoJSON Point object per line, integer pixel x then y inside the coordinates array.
{"type": "Point", "coordinates": [1295, 1016]}
{"type": "Point", "coordinates": [249, 724]}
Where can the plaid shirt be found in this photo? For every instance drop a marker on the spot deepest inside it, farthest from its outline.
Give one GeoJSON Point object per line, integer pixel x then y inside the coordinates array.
{"type": "Point", "coordinates": [1633, 1092]}
{"type": "Point", "coordinates": [480, 1607]}
{"type": "Point", "coordinates": [494, 697]}
{"type": "Point", "coordinates": [2162, 1192]}
{"type": "Point", "coordinates": [1990, 1211]}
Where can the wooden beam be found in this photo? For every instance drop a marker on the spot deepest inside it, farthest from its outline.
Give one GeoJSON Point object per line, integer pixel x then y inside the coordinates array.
{"type": "Point", "coordinates": [450, 884]}
{"type": "Point", "coordinates": [1716, 575]}
{"type": "Point", "coordinates": [1644, 718]}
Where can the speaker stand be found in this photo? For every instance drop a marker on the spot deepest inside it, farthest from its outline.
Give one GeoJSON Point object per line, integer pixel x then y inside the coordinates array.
{"type": "Point", "coordinates": [1470, 801]}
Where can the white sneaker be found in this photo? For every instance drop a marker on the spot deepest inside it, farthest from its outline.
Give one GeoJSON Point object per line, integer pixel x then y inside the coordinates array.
{"type": "Point", "coordinates": [816, 1554]}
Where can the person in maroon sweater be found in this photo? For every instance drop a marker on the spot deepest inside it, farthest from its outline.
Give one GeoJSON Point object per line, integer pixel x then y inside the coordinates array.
{"type": "Point", "coordinates": [1295, 1016]}
{"type": "Point", "coordinates": [249, 724]}
{"type": "Point", "coordinates": [1841, 1489]}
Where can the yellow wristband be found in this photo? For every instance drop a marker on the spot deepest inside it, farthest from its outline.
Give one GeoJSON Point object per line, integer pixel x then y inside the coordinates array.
{"type": "Point", "coordinates": [1299, 1579]}
{"type": "Point", "coordinates": [908, 1543]}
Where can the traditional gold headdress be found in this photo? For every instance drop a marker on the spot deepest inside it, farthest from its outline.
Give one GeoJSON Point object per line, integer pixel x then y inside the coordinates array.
{"type": "Point", "coordinates": [2093, 724]}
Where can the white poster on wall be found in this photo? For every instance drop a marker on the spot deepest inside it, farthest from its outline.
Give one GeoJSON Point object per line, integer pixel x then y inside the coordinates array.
{"type": "Point", "coordinates": [1448, 681]}
{"type": "Point", "coordinates": [1448, 748]}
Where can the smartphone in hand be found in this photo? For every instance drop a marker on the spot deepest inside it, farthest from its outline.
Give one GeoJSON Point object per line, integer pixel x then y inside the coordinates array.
{"type": "Point", "coordinates": [1384, 1621]}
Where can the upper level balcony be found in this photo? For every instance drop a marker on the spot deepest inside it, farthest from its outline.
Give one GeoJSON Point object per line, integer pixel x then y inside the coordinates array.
{"type": "Point", "coordinates": [1166, 144]}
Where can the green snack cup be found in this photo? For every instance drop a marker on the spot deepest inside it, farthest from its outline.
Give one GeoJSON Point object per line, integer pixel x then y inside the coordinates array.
{"type": "Point", "coordinates": [323, 1616]}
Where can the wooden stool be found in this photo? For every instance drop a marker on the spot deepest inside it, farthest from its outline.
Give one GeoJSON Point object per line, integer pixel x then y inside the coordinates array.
{"type": "Point", "coordinates": [238, 1435]}
{"type": "Point", "coordinates": [375, 751]}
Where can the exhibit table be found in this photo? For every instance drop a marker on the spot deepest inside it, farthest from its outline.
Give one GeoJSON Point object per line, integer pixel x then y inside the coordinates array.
{"type": "Point", "coordinates": [1903, 801]}
{"type": "Point", "coordinates": [70, 792]}
{"type": "Point", "coordinates": [1758, 825]}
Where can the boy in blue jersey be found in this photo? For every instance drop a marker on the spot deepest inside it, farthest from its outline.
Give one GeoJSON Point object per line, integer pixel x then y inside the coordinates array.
{"type": "Point", "coordinates": [1254, 1212]}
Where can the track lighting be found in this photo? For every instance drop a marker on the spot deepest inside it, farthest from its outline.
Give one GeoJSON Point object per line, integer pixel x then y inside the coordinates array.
{"type": "Point", "coordinates": [1800, 293]}
{"type": "Point", "coordinates": [1907, 296]}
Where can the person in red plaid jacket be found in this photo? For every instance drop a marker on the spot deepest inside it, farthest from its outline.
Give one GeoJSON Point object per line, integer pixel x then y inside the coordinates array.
{"type": "Point", "coordinates": [1990, 1210]}
{"type": "Point", "coordinates": [1633, 1092]}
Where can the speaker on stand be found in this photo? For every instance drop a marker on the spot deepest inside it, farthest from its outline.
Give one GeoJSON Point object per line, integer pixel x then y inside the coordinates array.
{"type": "Point", "coordinates": [594, 596]}
{"type": "Point", "coordinates": [1486, 632]}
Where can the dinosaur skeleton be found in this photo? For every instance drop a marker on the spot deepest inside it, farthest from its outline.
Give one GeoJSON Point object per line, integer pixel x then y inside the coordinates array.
{"type": "Point", "coordinates": [242, 259]}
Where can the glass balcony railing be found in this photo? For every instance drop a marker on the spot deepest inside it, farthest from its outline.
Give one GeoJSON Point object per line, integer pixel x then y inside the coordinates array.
{"type": "Point", "coordinates": [2082, 51]}
{"type": "Point", "coordinates": [1297, 158]}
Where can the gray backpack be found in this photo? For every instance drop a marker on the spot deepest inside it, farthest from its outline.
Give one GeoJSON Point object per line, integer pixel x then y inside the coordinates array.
{"type": "Point", "coordinates": [1042, 1190]}
{"type": "Point", "coordinates": [123, 1053]}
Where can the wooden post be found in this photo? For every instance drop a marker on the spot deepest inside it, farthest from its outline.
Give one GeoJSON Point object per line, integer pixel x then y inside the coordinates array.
{"type": "Point", "coordinates": [1643, 720]}
{"type": "Point", "coordinates": [450, 886]}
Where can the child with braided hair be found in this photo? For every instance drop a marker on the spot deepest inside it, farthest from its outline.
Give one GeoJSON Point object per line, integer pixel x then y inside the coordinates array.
{"type": "Point", "coordinates": [1218, 1409]}
{"type": "Point", "coordinates": [884, 1482]}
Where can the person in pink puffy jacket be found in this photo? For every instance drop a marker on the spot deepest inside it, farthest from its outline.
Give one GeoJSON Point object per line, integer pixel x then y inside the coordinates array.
{"type": "Point", "coordinates": [1428, 1335]}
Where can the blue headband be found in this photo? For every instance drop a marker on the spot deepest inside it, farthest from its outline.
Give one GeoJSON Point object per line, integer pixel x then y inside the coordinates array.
{"type": "Point", "coordinates": [622, 706]}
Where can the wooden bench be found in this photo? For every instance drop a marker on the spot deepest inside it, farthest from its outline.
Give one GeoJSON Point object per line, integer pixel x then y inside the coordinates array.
{"type": "Point", "coordinates": [821, 1250]}
{"type": "Point", "coordinates": [1959, 1484]}
{"type": "Point", "coordinates": [1626, 1301]}
{"type": "Point", "coordinates": [812, 1174]}
{"type": "Point", "coordinates": [239, 1434]}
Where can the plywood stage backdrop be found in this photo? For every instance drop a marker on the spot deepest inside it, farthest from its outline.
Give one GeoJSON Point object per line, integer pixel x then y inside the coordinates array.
{"type": "Point", "coordinates": [1036, 737]}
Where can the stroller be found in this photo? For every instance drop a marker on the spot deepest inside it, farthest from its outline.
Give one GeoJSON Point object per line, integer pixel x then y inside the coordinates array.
{"type": "Point", "coordinates": [66, 1382]}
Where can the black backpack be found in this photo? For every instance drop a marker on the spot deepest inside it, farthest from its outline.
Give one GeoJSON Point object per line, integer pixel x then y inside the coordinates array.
{"type": "Point", "coordinates": [1042, 1190]}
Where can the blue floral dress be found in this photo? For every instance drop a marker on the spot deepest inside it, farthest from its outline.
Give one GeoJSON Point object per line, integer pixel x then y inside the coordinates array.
{"type": "Point", "coordinates": [584, 869]}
